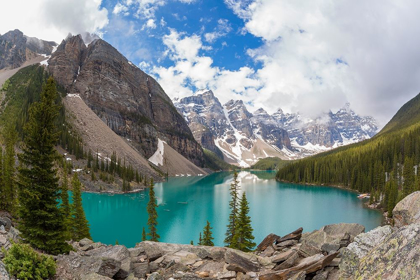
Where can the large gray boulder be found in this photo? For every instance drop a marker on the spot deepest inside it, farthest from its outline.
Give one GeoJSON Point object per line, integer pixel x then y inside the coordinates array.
{"type": "Point", "coordinates": [325, 238]}
{"type": "Point", "coordinates": [407, 211]}
{"type": "Point", "coordinates": [392, 255]}
{"type": "Point", "coordinates": [362, 245]}
{"type": "Point", "coordinates": [4, 275]}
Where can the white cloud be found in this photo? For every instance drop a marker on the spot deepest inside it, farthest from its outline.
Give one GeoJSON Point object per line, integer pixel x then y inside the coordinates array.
{"type": "Point", "coordinates": [150, 23]}
{"type": "Point", "coordinates": [51, 19]}
{"type": "Point", "coordinates": [319, 54]}
{"type": "Point", "coordinates": [143, 8]}
{"type": "Point", "coordinates": [187, 1]}
{"type": "Point", "coordinates": [119, 8]}
{"type": "Point", "coordinates": [193, 70]}
{"type": "Point", "coordinates": [222, 29]}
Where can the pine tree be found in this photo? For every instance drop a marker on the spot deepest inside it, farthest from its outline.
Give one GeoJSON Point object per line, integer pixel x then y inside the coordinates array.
{"type": "Point", "coordinates": [233, 205]}
{"type": "Point", "coordinates": [80, 226]}
{"type": "Point", "coordinates": [243, 239]}
{"type": "Point", "coordinates": [200, 240]}
{"type": "Point", "coordinates": [143, 235]}
{"type": "Point", "coordinates": [2, 195]}
{"type": "Point", "coordinates": [65, 204]}
{"type": "Point", "coordinates": [9, 184]}
{"type": "Point", "coordinates": [41, 221]}
{"type": "Point", "coordinates": [151, 210]}
{"type": "Point", "coordinates": [207, 236]}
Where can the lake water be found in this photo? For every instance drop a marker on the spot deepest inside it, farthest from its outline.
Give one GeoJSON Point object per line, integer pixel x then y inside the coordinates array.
{"type": "Point", "coordinates": [186, 203]}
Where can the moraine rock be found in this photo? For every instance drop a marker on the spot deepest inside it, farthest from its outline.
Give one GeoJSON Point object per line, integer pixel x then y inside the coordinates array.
{"type": "Point", "coordinates": [331, 234]}
{"type": "Point", "coordinates": [407, 211]}
{"type": "Point", "coordinates": [394, 254]}
{"type": "Point", "coordinates": [4, 275]}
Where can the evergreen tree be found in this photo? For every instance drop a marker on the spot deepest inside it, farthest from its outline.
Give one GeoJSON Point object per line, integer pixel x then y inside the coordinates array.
{"type": "Point", "coordinates": [233, 205]}
{"type": "Point", "coordinates": [151, 210]}
{"type": "Point", "coordinates": [65, 204]}
{"type": "Point", "coordinates": [41, 221]}
{"type": "Point", "coordinates": [207, 236]}
{"type": "Point", "coordinates": [80, 226]}
{"type": "Point", "coordinates": [200, 240]}
{"type": "Point", "coordinates": [243, 239]}
{"type": "Point", "coordinates": [2, 195]}
{"type": "Point", "coordinates": [9, 183]}
{"type": "Point", "coordinates": [143, 235]}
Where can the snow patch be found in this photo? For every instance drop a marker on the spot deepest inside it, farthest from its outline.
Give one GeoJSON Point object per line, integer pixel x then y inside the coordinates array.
{"type": "Point", "coordinates": [157, 158]}
{"type": "Point", "coordinates": [74, 95]}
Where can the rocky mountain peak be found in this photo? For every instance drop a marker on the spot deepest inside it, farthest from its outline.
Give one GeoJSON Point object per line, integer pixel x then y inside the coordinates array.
{"type": "Point", "coordinates": [128, 100]}
{"type": "Point", "coordinates": [16, 49]}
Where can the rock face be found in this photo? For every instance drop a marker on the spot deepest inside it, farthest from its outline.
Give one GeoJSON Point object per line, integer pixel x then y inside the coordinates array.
{"type": "Point", "coordinates": [16, 49]}
{"type": "Point", "coordinates": [129, 101]}
{"type": "Point", "coordinates": [407, 211]}
{"type": "Point", "coordinates": [230, 130]}
{"type": "Point", "coordinates": [383, 253]}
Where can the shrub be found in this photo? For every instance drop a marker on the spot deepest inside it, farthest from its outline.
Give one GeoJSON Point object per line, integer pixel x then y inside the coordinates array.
{"type": "Point", "coordinates": [24, 263]}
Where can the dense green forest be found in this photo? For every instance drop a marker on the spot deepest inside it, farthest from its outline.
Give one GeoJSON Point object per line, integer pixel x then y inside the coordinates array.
{"type": "Point", "coordinates": [270, 163]}
{"type": "Point", "coordinates": [384, 166]}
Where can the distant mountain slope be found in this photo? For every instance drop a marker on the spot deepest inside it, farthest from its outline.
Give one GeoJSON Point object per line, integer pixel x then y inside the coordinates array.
{"type": "Point", "coordinates": [372, 165]}
{"type": "Point", "coordinates": [98, 137]}
{"type": "Point", "coordinates": [329, 130]}
{"type": "Point", "coordinates": [16, 49]}
{"type": "Point", "coordinates": [129, 101]}
{"type": "Point", "coordinates": [230, 131]}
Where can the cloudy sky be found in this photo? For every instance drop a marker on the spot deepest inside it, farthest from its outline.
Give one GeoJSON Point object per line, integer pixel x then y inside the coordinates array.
{"type": "Point", "coordinates": [306, 56]}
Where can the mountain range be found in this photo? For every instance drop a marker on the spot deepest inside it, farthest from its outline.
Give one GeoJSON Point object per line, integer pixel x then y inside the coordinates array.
{"type": "Point", "coordinates": [169, 134]}
{"type": "Point", "coordinates": [242, 137]}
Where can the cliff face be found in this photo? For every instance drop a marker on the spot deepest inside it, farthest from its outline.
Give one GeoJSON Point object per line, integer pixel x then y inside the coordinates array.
{"type": "Point", "coordinates": [16, 49]}
{"type": "Point", "coordinates": [128, 100]}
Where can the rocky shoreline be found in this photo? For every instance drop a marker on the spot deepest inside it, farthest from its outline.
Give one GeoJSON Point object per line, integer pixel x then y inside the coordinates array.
{"type": "Point", "coordinates": [338, 251]}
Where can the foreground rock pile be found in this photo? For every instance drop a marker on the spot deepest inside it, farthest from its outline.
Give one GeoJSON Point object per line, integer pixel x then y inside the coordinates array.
{"type": "Point", "coordinates": [313, 255]}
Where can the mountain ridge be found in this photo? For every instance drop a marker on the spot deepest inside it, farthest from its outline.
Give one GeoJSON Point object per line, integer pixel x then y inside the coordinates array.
{"type": "Point", "coordinates": [234, 131]}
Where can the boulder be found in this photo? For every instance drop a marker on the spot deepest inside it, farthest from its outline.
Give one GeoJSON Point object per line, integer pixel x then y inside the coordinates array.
{"type": "Point", "coordinates": [13, 234]}
{"type": "Point", "coordinates": [4, 275]}
{"type": "Point", "coordinates": [308, 265]}
{"type": "Point", "coordinates": [153, 251]}
{"type": "Point", "coordinates": [155, 276]}
{"type": "Point", "coordinates": [282, 256]}
{"type": "Point", "coordinates": [95, 276]}
{"type": "Point", "coordinates": [268, 241]}
{"type": "Point", "coordinates": [407, 211]}
{"type": "Point", "coordinates": [395, 256]}
{"type": "Point", "coordinates": [140, 269]}
{"type": "Point", "coordinates": [77, 266]}
{"type": "Point", "coordinates": [239, 262]}
{"type": "Point", "coordinates": [338, 234]}
{"type": "Point", "coordinates": [84, 242]}
{"type": "Point", "coordinates": [295, 235]}
{"type": "Point", "coordinates": [6, 222]}
{"type": "Point", "coordinates": [289, 262]}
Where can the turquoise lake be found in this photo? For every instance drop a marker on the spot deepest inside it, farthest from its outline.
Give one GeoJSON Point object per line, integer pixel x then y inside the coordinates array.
{"type": "Point", "coordinates": [186, 203]}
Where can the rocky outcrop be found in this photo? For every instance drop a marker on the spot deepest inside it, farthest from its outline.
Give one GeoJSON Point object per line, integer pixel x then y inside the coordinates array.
{"type": "Point", "coordinates": [16, 49]}
{"type": "Point", "coordinates": [407, 211]}
{"type": "Point", "coordinates": [129, 101]}
{"type": "Point", "coordinates": [383, 253]}
{"type": "Point", "coordinates": [387, 252]}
